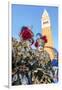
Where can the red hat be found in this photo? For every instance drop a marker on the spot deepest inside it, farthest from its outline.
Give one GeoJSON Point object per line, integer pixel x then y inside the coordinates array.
{"type": "Point", "coordinates": [44, 38]}
{"type": "Point", "coordinates": [26, 33]}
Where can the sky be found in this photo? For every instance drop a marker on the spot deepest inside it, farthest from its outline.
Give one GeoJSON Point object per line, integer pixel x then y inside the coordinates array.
{"type": "Point", "coordinates": [28, 15]}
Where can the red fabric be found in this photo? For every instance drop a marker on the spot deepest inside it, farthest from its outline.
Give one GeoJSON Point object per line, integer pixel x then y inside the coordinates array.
{"type": "Point", "coordinates": [26, 33]}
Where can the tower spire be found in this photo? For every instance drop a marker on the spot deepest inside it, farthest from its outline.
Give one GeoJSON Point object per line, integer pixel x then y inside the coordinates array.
{"type": "Point", "coordinates": [45, 13]}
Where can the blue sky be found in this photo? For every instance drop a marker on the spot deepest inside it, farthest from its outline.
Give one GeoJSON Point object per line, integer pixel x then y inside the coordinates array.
{"type": "Point", "coordinates": [25, 15]}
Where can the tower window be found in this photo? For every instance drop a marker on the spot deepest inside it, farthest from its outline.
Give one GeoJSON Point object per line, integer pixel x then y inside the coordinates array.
{"type": "Point", "coordinates": [45, 22]}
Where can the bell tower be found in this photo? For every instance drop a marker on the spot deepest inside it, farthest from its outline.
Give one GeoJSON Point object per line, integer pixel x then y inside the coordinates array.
{"type": "Point", "coordinates": [47, 30]}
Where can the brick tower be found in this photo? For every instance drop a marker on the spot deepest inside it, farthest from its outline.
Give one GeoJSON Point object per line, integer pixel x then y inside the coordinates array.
{"type": "Point", "coordinates": [47, 30]}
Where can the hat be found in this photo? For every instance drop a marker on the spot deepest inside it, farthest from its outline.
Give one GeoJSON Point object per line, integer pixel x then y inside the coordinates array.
{"type": "Point", "coordinates": [26, 33]}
